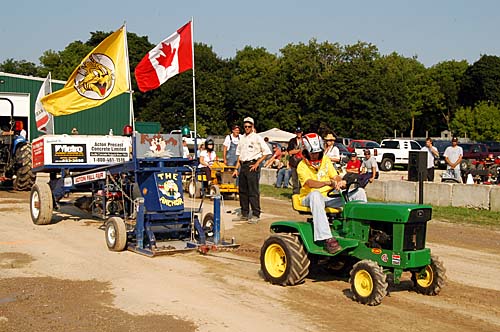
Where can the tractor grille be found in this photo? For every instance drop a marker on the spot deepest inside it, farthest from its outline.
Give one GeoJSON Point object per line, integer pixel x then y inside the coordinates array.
{"type": "Point", "coordinates": [414, 236]}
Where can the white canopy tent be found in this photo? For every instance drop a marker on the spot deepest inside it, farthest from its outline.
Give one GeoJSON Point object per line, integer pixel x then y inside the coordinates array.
{"type": "Point", "coordinates": [277, 135]}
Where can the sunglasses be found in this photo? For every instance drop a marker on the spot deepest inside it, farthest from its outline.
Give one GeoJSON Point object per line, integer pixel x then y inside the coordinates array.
{"type": "Point", "coordinates": [247, 126]}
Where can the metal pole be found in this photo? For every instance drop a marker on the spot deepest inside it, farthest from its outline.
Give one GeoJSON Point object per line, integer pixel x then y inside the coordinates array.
{"type": "Point", "coordinates": [217, 219]}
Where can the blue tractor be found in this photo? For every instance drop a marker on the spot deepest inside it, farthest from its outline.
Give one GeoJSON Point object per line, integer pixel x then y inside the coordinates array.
{"type": "Point", "coordinates": [15, 152]}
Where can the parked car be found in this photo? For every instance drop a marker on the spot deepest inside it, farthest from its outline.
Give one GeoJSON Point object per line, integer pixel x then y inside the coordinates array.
{"type": "Point", "coordinates": [492, 146]}
{"type": "Point", "coordinates": [358, 145]}
{"type": "Point", "coordinates": [395, 152]}
{"type": "Point", "coordinates": [344, 153]}
{"type": "Point", "coordinates": [472, 152]}
{"type": "Point", "coordinates": [343, 140]}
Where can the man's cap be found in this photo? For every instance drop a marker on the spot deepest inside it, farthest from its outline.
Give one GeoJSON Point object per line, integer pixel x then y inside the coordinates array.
{"type": "Point", "coordinates": [233, 127]}
{"type": "Point", "coordinates": [298, 130]}
{"type": "Point", "coordinates": [248, 119]}
{"type": "Point", "coordinates": [354, 154]}
{"type": "Point", "coordinates": [366, 151]}
{"type": "Point", "coordinates": [454, 139]}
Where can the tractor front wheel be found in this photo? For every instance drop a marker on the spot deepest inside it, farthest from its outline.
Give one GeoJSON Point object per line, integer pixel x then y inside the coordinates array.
{"type": "Point", "coordinates": [283, 260]}
{"type": "Point", "coordinates": [431, 279]}
{"type": "Point", "coordinates": [368, 282]}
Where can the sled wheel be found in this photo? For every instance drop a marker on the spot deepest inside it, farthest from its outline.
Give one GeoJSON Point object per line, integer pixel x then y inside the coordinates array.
{"type": "Point", "coordinates": [41, 204]}
{"type": "Point", "coordinates": [116, 234]}
{"type": "Point", "coordinates": [208, 227]}
{"type": "Point", "coordinates": [24, 176]}
{"type": "Point", "coordinates": [194, 189]}
{"type": "Point", "coordinates": [431, 279]}
{"type": "Point", "coordinates": [387, 164]}
{"type": "Point", "coordinates": [283, 260]}
{"type": "Point", "coordinates": [368, 282]}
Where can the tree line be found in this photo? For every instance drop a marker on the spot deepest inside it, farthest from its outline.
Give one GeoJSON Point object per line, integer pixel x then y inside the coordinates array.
{"type": "Point", "coordinates": [349, 90]}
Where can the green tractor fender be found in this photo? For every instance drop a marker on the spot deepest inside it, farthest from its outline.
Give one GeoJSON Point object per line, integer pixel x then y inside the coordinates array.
{"type": "Point", "coordinates": [305, 232]}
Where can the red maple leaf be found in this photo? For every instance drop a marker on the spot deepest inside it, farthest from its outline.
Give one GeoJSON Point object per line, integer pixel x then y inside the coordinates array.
{"type": "Point", "coordinates": [165, 60]}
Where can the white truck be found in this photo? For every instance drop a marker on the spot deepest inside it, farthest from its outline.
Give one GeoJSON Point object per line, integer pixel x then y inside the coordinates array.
{"type": "Point", "coordinates": [395, 152]}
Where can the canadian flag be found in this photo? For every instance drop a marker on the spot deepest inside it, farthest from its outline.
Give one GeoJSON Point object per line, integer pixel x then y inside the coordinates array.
{"type": "Point", "coordinates": [169, 58]}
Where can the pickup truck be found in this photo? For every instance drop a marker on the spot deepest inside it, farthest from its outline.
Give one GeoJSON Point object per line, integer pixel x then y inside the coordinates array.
{"type": "Point", "coordinates": [190, 139]}
{"type": "Point", "coordinates": [394, 152]}
{"type": "Point", "coordinates": [475, 152]}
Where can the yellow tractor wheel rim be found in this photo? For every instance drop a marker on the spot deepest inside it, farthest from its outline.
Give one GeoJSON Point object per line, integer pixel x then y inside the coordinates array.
{"type": "Point", "coordinates": [275, 259]}
{"type": "Point", "coordinates": [363, 283]}
{"type": "Point", "coordinates": [427, 279]}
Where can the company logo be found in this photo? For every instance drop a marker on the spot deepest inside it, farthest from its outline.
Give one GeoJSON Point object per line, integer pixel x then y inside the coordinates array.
{"type": "Point", "coordinates": [68, 148]}
{"type": "Point", "coordinates": [376, 251]}
{"type": "Point", "coordinates": [95, 78]}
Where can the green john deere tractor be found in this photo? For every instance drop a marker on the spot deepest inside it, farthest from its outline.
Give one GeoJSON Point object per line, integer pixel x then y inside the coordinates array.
{"type": "Point", "coordinates": [377, 239]}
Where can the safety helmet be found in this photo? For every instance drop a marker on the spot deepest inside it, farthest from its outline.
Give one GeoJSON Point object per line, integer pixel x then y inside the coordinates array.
{"type": "Point", "coordinates": [313, 143]}
{"type": "Point", "coordinates": [209, 142]}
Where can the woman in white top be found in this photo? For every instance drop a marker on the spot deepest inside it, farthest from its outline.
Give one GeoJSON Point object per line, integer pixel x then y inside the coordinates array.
{"type": "Point", "coordinates": [207, 158]}
{"type": "Point", "coordinates": [331, 150]}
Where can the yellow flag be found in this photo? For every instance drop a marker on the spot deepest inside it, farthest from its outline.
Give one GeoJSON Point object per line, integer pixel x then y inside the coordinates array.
{"type": "Point", "coordinates": [102, 75]}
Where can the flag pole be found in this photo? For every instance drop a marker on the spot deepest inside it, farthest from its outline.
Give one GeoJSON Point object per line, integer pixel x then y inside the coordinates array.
{"type": "Point", "coordinates": [194, 90]}
{"type": "Point", "coordinates": [131, 107]}
{"type": "Point", "coordinates": [51, 117]}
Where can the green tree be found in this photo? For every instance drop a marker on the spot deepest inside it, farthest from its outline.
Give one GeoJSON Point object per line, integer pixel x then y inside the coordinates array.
{"type": "Point", "coordinates": [448, 75]}
{"type": "Point", "coordinates": [481, 122]}
{"type": "Point", "coordinates": [22, 67]}
{"type": "Point", "coordinates": [481, 81]}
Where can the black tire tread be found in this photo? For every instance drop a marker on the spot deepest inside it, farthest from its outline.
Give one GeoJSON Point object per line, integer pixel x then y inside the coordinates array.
{"type": "Point", "coordinates": [439, 278]}
{"type": "Point", "coordinates": [298, 260]}
{"type": "Point", "coordinates": [46, 204]}
{"type": "Point", "coordinates": [379, 278]}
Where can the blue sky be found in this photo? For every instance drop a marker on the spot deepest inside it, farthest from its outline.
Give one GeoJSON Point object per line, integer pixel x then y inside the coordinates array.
{"type": "Point", "coordinates": [434, 31]}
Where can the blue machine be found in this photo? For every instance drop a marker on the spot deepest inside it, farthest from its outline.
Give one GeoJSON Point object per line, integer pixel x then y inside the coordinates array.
{"type": "Point", "coordinates": [142, 199]}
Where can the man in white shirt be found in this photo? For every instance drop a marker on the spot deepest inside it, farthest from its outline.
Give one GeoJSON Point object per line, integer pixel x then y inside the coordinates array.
{"type": "Point", "coordinates": [252, 150]}
{"type": "Point", "coordinates": [432, 153]}
{"type": "Point", "coordinates": [453, 157]}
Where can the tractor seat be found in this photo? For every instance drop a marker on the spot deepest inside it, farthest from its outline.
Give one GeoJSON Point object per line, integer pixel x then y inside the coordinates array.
{"type": "Point", "coordinates": [297, 206]}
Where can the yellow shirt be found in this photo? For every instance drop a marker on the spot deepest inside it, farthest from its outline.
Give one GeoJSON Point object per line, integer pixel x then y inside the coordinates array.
{"type": "Point", "coordinates": [324, 173]}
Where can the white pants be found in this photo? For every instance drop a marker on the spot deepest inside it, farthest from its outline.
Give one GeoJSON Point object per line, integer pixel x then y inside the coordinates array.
{"type": "Point", "coordinates": [317, 203]}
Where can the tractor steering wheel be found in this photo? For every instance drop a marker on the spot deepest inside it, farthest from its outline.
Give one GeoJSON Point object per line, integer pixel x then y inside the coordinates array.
{"type": "Point", "coordinates": [344, 193]}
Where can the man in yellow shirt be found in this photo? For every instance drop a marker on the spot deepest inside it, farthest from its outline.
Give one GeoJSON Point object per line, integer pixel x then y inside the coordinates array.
{"type": "Point", "coordinates": [318, 176]}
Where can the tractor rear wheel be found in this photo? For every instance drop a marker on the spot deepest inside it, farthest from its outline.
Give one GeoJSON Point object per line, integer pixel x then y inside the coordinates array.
{"type": "Point", "coordinates": [24, 176]}
{"type": "Point", "coordinates": [116, 234]}
{"type": "Point", "coordinates": [430, 280]}
{"type": "Point", "coordinates": [368, 282]}
{"type": "Point", "coordinates": [41, 204]}
{"type": "Point", "coordinates": [283, 260]}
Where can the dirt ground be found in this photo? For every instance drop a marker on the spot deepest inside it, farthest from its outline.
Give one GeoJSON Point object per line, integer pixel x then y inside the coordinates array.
{"type": "Point", "coordinates": [61, 277]}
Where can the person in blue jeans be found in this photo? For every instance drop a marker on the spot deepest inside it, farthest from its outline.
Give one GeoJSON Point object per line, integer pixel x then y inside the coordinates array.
{"type": "Point", "coordinates": [284, 170]}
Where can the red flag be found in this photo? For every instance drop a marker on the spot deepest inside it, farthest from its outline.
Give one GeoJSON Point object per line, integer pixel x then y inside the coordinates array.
{"type": "Point", "coordinates": [169, 58]}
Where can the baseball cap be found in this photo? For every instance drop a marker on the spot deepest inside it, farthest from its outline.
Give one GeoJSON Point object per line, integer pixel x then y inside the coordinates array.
{"type": "Point", "coordinates": [354, 154]}
{"type": "Point", "coordinates": [233, 127]}
{"type": "Point", "coordinates": [454, 139]}
{"type": "Point", "coordinates": [248, 119]}
{"type": "Point", "coordinates": [298, 130]}
{"type": "Point", "coordinates": [366, 151]}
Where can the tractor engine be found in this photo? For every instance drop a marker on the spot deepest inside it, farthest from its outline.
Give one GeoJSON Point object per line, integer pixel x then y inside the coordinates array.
{"type": "Point", "coordinates": [107, 201]}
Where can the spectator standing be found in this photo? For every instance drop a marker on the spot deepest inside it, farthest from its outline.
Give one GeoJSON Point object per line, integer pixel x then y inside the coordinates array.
{"type": "Point", "coordinates": [453, 157]}
{"type": "Point", "coordinates": [295, 147]}
{"type": "Point", "coordinates": [284, 171]}
{"type": "Point", "coordinates": [251, 152]}
{"type": "Point", "coordinates": [432, 153]}
{"type": "Point", "coordinates": [331, 151]}
{"type": "Point", "coordinates": [230, 144]}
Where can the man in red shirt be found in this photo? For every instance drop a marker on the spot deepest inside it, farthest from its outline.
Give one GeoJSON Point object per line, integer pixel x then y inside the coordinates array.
{"type": "Point", "coordinates": [354, 164]}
